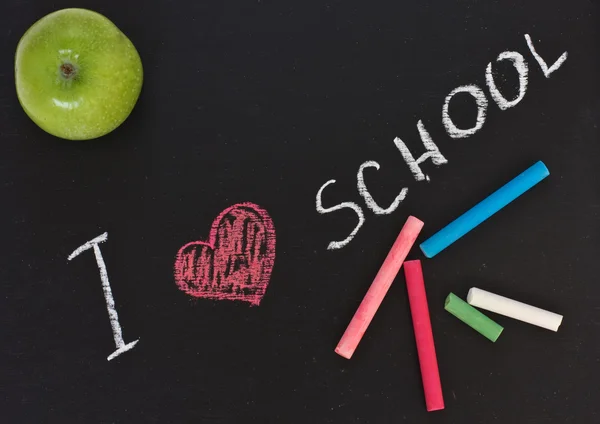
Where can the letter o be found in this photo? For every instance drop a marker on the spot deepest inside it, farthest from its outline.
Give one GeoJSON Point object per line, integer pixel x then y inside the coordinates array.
{"type": "Point", "coordinates": [519, 63]}
{"type": "Point", "coordinates": [482, 104]}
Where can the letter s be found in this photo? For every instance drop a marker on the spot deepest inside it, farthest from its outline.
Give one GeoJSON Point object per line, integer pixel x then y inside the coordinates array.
{"type": "Point", "coordinates": [349, 205]}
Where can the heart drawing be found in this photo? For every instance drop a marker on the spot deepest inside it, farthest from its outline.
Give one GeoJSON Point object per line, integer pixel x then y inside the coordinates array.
{"type": "Point", "coordinates": [236, 261]}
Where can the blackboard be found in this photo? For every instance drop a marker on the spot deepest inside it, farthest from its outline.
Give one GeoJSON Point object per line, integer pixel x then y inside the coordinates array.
{"type": "Point", "coordinates": [265, 102]}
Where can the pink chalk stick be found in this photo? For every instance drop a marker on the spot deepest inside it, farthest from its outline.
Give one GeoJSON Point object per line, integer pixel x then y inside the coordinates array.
{"type": "Point", "coordinates": [383, 280]}
{"type": "Point", "coordinates": [417, 297]}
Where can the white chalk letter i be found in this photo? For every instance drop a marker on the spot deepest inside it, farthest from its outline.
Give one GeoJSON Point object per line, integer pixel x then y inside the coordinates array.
{"type": "Point", "coordinates": [110, 302]}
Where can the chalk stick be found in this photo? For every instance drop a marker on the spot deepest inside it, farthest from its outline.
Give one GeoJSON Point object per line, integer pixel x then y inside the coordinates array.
{"type": "Point", "coordinates": [484, 209]}
{"type": "Point", "coordinates": [472, 317]}
{"type": "Point", "coordinates": [382, 282]}
{"type": "Point", "coordinates": [514, 309]}
{"type": "Point", "coordinates": [417, 297]}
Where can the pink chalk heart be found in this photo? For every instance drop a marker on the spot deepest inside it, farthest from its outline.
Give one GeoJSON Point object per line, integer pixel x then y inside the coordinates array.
{"type": "Point", "coordinates": [236, 261]}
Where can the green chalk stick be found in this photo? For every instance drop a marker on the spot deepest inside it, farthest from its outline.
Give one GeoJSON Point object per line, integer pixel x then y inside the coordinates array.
{"type": "Point", "coordinates": [472, 317]}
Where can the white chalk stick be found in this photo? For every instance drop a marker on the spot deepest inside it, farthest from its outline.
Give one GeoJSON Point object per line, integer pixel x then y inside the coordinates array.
{"type": "Point", "coordinates": [513, 309]}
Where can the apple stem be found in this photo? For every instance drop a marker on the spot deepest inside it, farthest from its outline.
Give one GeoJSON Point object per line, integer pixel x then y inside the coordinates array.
{"type": "Point", "coordinates": [68, 71]}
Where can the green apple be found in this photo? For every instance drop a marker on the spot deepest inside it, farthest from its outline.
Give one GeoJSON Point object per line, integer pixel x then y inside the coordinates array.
{"type": "Point", "coordinates": [77, 75]}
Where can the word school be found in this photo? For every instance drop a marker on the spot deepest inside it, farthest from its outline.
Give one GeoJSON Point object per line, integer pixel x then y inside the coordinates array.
{"type": "Point", "coordinates": [431, 150]}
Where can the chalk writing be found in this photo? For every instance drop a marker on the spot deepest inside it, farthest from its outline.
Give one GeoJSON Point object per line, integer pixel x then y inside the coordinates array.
{"type": "Point", "coordinates": [432, 151]}
{"type": "Point", "coordinates": [369, 201]}
{"type": "Point", "coordinates": [349, 205]}
{"type": "Point", "coordinates": [547, 71]}
{"type": "Point", "coordinates": [108, 296]}
{"type": "Point", "coordinates": [520, 65]}
{"type": "Point", "coordinates": [236, 261]}
{"type": "Point", "coordinates": [482, 104]}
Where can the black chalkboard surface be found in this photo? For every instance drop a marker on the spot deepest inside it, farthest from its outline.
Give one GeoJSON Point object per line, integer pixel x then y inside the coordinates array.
{"type": "Point", "coordinates": [264, 103]}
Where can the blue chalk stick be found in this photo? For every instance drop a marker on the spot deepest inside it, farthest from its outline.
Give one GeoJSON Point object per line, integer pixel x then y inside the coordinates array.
{"type": "Point", "coordinates": [484, 209]}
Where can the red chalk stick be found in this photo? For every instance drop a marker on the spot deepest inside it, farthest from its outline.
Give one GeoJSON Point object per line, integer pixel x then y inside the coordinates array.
{"type": "Point", "coordinates": [417, 297]}
{"type": "Point", "coordinates": [383, 280]}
